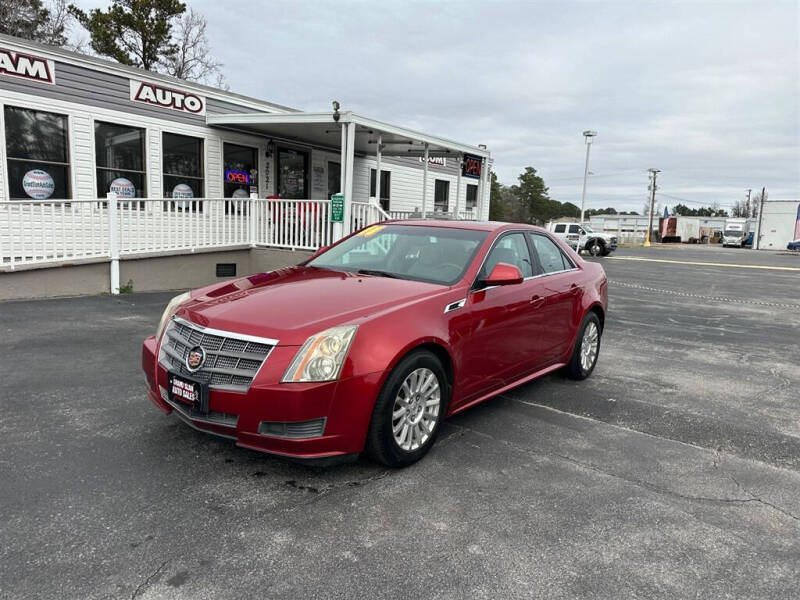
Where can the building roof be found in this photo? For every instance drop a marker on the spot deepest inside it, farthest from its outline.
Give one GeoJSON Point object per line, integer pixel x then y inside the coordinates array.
{"type": "Point", "coordinates": [93, 62]}
{"type": "Point", "coordinates": [321, 128]}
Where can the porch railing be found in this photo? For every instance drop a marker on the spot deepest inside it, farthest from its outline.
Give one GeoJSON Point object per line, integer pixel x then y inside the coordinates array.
{"type": "Point", "coordinates": [461, 215]}
{"type": "Point", "coordinates": [42, 232]}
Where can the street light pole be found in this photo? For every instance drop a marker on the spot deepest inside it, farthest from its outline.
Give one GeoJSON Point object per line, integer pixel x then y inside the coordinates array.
{"type": "Point", "coordinates": [653, 173]}
{"type": "Point", "coordinates": [588, 135]}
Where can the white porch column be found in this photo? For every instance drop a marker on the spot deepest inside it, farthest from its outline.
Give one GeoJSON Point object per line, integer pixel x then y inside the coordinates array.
{"type": "Point", "coordinates": [458, 185]}
{"type": "Point", "coordinates": [337, 229]}
{"type": "Point", "coordinates": [378, 170]}
{"type": "Point", "coordinates": [349, 159]}
{"type": "Point", "coordinates": [425, 184]}
{"type": "Point", "coordinates": [484, 190]}
{"type": "Point", "coordinates": [113, 242]}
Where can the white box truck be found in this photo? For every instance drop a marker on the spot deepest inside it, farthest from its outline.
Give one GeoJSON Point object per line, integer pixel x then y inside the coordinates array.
{"type": "Point", "coordinates": [735, 232]}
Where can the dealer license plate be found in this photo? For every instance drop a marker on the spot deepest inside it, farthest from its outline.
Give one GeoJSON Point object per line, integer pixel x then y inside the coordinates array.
{"type": "Point", "coordinates": [188, 391]}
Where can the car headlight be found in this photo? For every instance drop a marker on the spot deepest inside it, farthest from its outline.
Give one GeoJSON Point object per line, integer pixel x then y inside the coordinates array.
{"type": "Point", "coordinates": [322, 355]}
{"type": "Point", "coordinates": [171, 309]}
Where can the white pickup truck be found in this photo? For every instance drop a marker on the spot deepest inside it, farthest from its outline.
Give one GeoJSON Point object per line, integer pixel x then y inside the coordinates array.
{"type": "Point", "coordinates": [582, 237]}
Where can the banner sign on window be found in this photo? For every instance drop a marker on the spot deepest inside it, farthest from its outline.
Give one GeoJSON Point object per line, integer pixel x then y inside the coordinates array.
{"type": "Point", "coordinates": [38, 184]}
{"type": "Point", "coordinates": [123, 188]}
{"type": "Point", "coordinates": [158, 95]}
{"type": "Point", "coordinates": [182, 191]}
{"type": "Point", "coordinates": [26, 66]}
{"type": "Point", "coordinates": [472, 166]}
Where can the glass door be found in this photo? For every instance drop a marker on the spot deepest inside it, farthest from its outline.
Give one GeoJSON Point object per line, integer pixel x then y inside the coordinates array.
{"type": "Point", "coordinates": [292, 173]}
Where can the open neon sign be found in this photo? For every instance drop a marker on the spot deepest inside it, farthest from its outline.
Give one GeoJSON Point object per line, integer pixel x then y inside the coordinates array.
{"type": "Point", "coordinates": [232, 176]}
{"type": "Point", "coordinates": [472, 166]}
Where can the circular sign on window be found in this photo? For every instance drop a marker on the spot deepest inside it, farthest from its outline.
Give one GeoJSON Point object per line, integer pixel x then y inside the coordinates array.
{"type": "Point", "coordinates": [38, 184]}
{"type": "Point", "coordinates": [182, 191]}
{"type": "Point", "coordinates": [123, 188]}
{"type": "Point", "coordinates": [240, 193]}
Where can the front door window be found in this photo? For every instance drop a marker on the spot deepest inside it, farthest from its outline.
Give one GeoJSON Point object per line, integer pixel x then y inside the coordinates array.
{"type": "Point", "coordinates": [292, 174]}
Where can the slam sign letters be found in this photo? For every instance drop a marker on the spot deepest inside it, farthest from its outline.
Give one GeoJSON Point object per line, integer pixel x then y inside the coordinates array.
{"type": "Point", "coordinates": [26, 66]}
{"type": "Point", "coordinates": [151, 93]}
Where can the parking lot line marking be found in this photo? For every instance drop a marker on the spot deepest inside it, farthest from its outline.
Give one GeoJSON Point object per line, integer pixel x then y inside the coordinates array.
{"type": "Point", "coordinates": [704, 264]}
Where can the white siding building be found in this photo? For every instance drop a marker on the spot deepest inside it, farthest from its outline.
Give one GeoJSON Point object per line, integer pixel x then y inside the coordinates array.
{"type": "Point", "coordinates": [77, 127]}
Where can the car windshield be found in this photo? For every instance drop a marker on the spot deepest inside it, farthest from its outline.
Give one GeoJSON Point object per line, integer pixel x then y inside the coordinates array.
{"type": "Point", "coordinates": [587, 229]}
{"type": "Point", "coordinates": [732, 233]}
{"type": "Point", "coordinates": [422, 253]}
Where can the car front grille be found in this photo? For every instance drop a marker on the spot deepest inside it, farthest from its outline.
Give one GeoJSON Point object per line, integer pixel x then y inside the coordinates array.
{"type": "Point", "coordinates": [613, 240]}
{"type": "Point", "coordinates": [232, 360]}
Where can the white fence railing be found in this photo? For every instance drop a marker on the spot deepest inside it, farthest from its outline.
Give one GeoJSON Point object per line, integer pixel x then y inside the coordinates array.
{"type": "Point", "coordinates": [36, 232]}
{"type": "Point", "coordinates": [462, 215]}
{"type": "Point", "coordinates": [39, 231]}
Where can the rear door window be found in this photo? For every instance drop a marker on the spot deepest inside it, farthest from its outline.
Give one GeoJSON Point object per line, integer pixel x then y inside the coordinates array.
{"type": "Point", "coordinates": [560, 228]}
{"type": "Point", "coordinates": [549, 256]}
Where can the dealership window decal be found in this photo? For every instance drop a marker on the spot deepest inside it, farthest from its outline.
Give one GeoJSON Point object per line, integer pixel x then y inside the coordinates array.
{"type": "Point", "coordinates": [26, 66]}
{"type": "Point", "coordinates": [119, 156]}
{"type": "Point", "coordinates": [158, 95]}
{"type": "Point", "coordinates": [37, 155]}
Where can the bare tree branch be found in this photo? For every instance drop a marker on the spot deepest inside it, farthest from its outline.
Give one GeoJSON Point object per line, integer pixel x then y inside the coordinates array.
{"type": "Point", "coordinates": [193, 61]}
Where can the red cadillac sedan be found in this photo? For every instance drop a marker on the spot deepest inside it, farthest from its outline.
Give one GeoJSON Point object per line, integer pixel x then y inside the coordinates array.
{"type": "Point", "coordinates": [372, 342]}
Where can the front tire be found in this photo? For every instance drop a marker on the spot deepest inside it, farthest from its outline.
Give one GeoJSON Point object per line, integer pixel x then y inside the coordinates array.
{"type": "Point", "coordinates": [408, 411]}
{"type": "Point", "coordinates": [587, 348]}
{"type": "Point", "coordinates": [594, 248]}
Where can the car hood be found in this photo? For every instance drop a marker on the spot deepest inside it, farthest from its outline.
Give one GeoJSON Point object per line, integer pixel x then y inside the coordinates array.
{"type": "Point", "coordinates": [293, 303]}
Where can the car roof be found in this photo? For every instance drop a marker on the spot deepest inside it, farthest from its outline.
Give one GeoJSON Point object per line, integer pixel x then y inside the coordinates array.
{"type": "Point", "coordinates": [472, 225]}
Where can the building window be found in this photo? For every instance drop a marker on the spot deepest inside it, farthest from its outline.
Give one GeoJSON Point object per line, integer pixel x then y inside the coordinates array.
{"type": "Point", "coordinates": [441, 195]}
{"type": "Point", "coordinates": [472, 196]}
{"type": "Point", "coordinates": [334, 178]}
{"type": "Point", "coordinates": [119, 155]}
{"type": "Point", "coordinates": [386, 186]}
{"type": "Point", "coordinates": [292, 174]}
{"type": "Point", "coordinates": [241, 171]}
{"type": "Point", "coordinates": [183, 167]}
{"type": "Point", "coordinates": [38, 160]}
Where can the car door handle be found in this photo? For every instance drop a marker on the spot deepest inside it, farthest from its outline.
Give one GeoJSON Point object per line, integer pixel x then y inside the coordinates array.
{"type": "Point", "coordinates": [574, 289]}
{"type": "Point", "coordinates": [537, 301]}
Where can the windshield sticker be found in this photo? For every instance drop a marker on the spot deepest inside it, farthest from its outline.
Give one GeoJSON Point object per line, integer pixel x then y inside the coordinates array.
{"type": "Point", "coordinates": [370, 231]}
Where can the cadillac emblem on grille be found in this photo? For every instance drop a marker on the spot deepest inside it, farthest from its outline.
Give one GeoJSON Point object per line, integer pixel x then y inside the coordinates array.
{"type": "Point", "coordinates": [195, 358]}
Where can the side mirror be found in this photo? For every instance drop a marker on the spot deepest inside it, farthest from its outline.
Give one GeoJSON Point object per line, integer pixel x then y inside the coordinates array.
{"type": "Point", "coordinates": [504, 274]}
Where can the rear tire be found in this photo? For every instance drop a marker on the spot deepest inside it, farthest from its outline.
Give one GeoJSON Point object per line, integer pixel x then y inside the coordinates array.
{"type": "Point", "coordinates": [587, 348]}
{"type": "Point", "coordinates": [408, 411]}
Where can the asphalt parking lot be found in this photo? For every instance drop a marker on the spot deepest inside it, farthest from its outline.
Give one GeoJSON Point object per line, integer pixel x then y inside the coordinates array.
{"type": "Point", "coordinates": [673, 472]}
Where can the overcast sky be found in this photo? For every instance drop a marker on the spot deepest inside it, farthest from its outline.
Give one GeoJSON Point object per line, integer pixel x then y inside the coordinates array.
{"type": "Point", "coordinates": [708, 92]}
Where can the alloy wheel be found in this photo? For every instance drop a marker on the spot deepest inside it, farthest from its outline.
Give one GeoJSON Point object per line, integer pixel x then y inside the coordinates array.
{"type": "Point", "coordinates": [589, 346]}
{"type": "Point", "coordinates": [416, 409]}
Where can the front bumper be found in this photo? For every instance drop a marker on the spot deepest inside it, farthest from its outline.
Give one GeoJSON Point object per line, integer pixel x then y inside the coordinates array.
{"type": "Point", "coordinates": [270, 416]}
